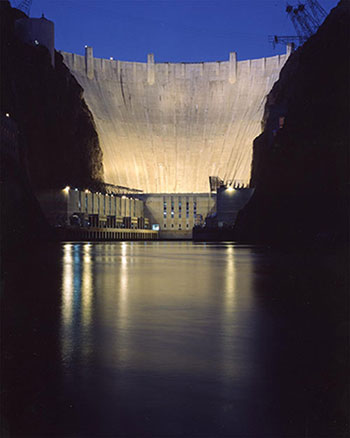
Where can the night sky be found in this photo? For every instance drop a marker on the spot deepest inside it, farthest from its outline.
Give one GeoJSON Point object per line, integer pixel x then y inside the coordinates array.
{"type": "Point", "coordinates": [174, 30]}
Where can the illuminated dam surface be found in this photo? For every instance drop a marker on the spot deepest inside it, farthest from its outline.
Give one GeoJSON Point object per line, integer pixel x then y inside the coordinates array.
{"type": "Point", "coordinates": [165, 127]}
{"type": "Point", "coordinates": [173, 339]}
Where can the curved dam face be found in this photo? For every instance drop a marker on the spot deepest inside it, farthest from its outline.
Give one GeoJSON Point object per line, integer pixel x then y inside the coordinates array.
{"type": "Point", "coordinates": [165, 128]}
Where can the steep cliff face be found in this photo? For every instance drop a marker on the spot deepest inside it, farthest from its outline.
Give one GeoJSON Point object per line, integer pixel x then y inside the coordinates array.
{"type": "Point", "coordinates": [300, 161]}
{"type": "Point", "coordinates": [61, 141]}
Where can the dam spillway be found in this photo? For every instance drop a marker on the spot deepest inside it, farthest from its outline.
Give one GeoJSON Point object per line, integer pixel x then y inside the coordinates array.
{"type": "Point", "coordinates": [167, 127]}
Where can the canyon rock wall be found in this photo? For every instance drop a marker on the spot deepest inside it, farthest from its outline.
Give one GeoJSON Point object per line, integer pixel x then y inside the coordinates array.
{"type": "Point", "coordinates": [55, 123]}
{"type": "Point", "coordinates": [301, 161]}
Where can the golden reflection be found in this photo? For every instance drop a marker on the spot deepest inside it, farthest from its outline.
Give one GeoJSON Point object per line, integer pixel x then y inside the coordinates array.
{"type": "Point", "coordinates": [67, 301]}
{"type": "Point", "coordinates": [86, 287]}
{"type": "Point", "coordinates": [77, 294]}
{"type": "Point", "coordinates": [124, 251]}
{"type": "Point", "coordinates": [67, 282]}
{"type": "Point", "coordinates": [229, 313]}
{"type": "Point", "coordinates": [122, 294]}
{"type": "Point", "coordinates": [123, 285]}
{"type": "Point", "coordinates": [230, 279]}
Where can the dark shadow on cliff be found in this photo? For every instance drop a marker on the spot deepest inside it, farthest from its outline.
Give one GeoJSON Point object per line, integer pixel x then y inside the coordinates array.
{"type": "Point", "coordinates": [57, 142]}
{"type": "Point", "coordinates": [301, 160]}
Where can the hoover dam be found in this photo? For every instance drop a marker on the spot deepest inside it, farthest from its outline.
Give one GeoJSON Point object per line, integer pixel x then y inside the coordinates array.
{"type": "Point", "coordinates": [167, 127]}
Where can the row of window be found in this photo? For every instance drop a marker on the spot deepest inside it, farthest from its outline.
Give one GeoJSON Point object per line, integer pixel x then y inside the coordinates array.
{"type": "Point", "coordinates": [172, 212]}
{"type": "Point", "coordinates": [180, 226]}
{"type": "Point", "coordinates": [99, 203]}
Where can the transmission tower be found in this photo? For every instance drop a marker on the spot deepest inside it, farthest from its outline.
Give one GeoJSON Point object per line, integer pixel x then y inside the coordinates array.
{"type": "Point", "coordinates": [285, 39]}
{"type": "Point", "coordinates": [24, 6]}
{"type": "Point", "coordinates": [306, 18]}
{"type": "Point", "coordinates": [317, 11]}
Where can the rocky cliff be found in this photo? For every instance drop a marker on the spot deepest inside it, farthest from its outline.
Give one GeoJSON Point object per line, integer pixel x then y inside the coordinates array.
{"type": "Point", "coordinates": [61, 141]}
{"type": "Point", "coordinates": [301, 160]}
{"type": "Point", "coordinates": [48, 136]}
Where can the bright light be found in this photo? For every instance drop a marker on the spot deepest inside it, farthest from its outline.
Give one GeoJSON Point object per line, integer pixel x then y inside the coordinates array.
{"type": "Point", "coordinates": [230, 189]}
{"type": "Point", "coordinates": [111, 58]}
{"type": "Point", "coordinates": [76, 190]}
{"type": "Point", "coordinates": [66, 189]}
{"type": "Point", "coordinates": [86, 191]}
{"type": "Point", "coordinates": [7, 115]}
{"type": "Point", "coordinates": [85, 47]}
{"type": "Point", "coordinates": [36, 42]}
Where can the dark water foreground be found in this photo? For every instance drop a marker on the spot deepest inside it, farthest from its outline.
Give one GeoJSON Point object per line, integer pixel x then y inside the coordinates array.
{"type": "Point", "coordinates": [174, 339]}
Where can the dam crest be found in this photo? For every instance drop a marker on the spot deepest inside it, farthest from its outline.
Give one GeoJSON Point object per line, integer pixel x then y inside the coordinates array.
{"type": "Point", "coordinates": [167, 127]}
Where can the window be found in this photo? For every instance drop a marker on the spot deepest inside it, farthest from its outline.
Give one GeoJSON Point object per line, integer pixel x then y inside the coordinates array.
{"type": "Point", "coordinates": [110, 205]}
{"type": "Point", "coordinates": [172, 208]}
{"type": "Point", "coordinates": [179, 226]}
{"type": "Point", "coordinates": [86, 202]}
{"type": "Point", "coordinates": [194, 208]}
{"type": "Point", "coordinates": [104, 205]}
{"type": "Point", "coordinates": [79, 201]}
{"type": "Point", "coordinates": [186, 225]}
{"type": "Point", "coordinates": [172, 225]}
{"type": "Point", "coordinates": [187, 208]}
{"type": "Point", "coordinates": [164, 226]}
{"type": "Point", "coordinates": [164, 208]}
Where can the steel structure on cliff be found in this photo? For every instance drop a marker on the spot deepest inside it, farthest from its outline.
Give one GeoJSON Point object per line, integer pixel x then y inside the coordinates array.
{"type": "Point", "coordinates": [24, 6]}
{"type": "Point", "coordinates": [306, 18]}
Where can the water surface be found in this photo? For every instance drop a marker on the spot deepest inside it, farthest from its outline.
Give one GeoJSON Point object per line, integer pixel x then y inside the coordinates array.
{"type": "Point", "coordinates": [174, 339]}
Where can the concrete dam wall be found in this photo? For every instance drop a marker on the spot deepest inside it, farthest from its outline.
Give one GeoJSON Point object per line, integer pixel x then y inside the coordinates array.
{"type": "Point", "coordinates": [165, 127]}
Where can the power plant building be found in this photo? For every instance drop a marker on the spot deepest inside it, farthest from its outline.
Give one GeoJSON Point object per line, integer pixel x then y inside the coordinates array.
{"type": "Point", "coordinates": [165, 128]}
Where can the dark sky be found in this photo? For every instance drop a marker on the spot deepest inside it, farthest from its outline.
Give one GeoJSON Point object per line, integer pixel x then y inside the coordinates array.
{"type": "Point", "coordinates": [174, 30]}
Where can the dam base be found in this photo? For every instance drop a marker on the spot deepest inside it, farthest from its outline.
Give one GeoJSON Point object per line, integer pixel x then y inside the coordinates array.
{"type": "Point", "coordinates": [104, 235]}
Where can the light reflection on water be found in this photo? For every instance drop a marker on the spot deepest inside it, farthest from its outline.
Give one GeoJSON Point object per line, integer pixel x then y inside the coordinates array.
{"type": "Point", "coordinates": [175, 339]}
{"type": "Point", "coordinates": [158, 308]}
{"type": "Point", "coordinates": [77, 302]}
{"type": "Point", "coordinates": [170, 339]}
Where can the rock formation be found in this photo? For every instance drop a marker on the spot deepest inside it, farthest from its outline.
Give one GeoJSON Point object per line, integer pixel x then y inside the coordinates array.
{"type": "Point", "coordinates": [60, 138]}
{"type": "Point", "coordinates": [301, 160]}
{"type": "Point", "coordinates": [48, 138]}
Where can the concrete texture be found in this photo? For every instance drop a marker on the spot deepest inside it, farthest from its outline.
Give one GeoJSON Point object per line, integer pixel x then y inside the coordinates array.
{"type": "Point", "coordinates": [176, 214]}
{"type": "Point", "coordinates": [165, 128]}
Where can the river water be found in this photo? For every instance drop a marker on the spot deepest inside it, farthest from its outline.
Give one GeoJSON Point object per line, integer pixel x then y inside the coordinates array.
{"type": "Point", "coordinates": [174, 339]}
